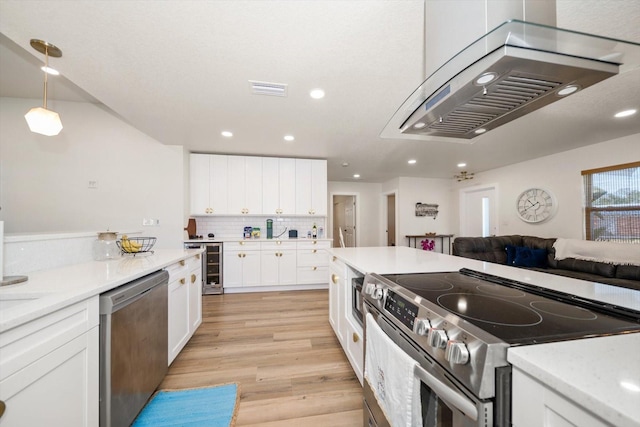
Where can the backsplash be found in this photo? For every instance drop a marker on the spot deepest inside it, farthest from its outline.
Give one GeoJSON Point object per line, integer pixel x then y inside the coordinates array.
{"type": "Point", "coordinates": [232, 227]}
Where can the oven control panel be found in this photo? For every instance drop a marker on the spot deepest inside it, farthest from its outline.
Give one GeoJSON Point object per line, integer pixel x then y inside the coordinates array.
{"type": "Point", "coordinates": [401, 309]}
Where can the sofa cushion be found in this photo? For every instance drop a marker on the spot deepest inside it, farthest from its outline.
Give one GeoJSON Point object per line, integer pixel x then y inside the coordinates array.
{"type": "Point", "coordinates": [511, 253]}
{"type": "Point", "coordinates": [528, 257]}
{"type": "Point", "coordinates": [630, 272]}
{"type": "Point", "coordinates": [490, 249]}
{"type": "Point", "coordinates": [591, 267]}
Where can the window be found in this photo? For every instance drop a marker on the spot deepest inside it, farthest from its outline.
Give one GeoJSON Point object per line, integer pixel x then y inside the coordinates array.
{"type": "Point", "coordinates": [612, 203]}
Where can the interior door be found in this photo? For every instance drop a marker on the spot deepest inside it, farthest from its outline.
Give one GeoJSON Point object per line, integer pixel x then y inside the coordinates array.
{"type": "Point", "coordinates": [478, 213]}
{"type": "Point", "coordinates": [391, 220]}
{"type": "Point", "coordinates": [344, 220]}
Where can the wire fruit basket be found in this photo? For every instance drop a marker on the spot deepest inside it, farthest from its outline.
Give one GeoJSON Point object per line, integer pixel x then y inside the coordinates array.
{"type": "Point", "coordinates": [136, 245]}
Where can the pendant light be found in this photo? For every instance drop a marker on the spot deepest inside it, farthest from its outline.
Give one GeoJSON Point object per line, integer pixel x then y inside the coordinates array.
{"type": "Point", "coordinates": [40, 119]}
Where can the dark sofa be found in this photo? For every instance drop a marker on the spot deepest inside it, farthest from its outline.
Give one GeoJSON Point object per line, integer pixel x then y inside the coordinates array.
{"type": "Point", "coordinates": [494, 249]}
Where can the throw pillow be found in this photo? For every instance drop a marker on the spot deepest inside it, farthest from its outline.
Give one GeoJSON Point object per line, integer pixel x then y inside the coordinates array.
{"type": "Point", "coordinates": [511, 253]}
{"type": "Point", "coordinates": [527, 257]}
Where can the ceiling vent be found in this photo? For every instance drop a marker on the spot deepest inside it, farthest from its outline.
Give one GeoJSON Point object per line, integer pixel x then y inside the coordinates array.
{"type": "Point", "coordinates": [267, 88]}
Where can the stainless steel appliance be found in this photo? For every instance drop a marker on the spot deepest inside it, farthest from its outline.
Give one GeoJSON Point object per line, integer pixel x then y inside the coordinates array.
{"type": "Point", "coordinates": [356, 299]}
{"type": "Point", "coordinates": [458, 327]}
{"type": "Point", "coordinates": [211, 266]}
{"type": "Point", "coordinates": [133, 347]}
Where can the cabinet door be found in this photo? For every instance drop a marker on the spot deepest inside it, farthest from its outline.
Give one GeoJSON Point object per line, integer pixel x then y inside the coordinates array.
{"type": "Point", "coordinates": [236, 185]}
{"type": "Point", "coordinates": [319, 187]}
{"type": "Point", "coordinates": [251, 268]}
{"type": "Point", "coordinates": [287, 268]}
{"type": "Point", "coordinates": [270, 187]}
{"type": "Point", "coordinates": [303, 186]}
{"type": "Point", "coordinates": [287, 186]}
{"type": "Point", "coordinates": [60, 388]}
{"type": "Point", "coordinates": [195, 295]}
{"type": "Point", "coordinates": [270, 263]}
{"type": "Point", "coordinates": [178, 316]}
{"type": "Point", "coordinates": [355, 350]}
{"type": "Point", "coordinates": [218, 179]}
{"type": "Point", "coordinates": [253, 185]}
{"type": "Point", "coordinates": [232, 268]}
{"type": "Point", "coordinates": [336, 282]}
{"type": "Point", "coordinates": [199, 183]}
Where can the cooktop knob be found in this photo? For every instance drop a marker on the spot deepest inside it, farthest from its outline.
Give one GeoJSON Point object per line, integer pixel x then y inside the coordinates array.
{"type": "Point", "coordinates": [437, 338]}
{"type": "Point", "coordinates": [369, 288]}
{"type": "Point", "coordinates": [456, 353]}
{"type": "Point", "coordinates": [422, 326]}
{"type": "Point", "coordinates": [377, 293]}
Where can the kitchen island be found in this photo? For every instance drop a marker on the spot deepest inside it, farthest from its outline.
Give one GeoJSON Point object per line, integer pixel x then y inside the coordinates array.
{"type": "Point", "coordinates": [594, 381]}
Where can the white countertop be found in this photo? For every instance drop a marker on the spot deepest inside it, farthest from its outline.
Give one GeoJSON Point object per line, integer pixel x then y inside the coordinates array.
{"type": "Point", "coordinates": [588, 371]}
{"type": "Point", "coordinates": [600, 374]}
{"type": "Point", "coordinates": [261, 239]}
{"type": "Point", "coordinates": [56, 288]}
{"type": "Point", "coordinates": [401, 259]}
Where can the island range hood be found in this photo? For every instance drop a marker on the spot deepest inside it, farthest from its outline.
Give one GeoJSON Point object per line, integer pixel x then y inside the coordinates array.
{"type": "Point", "coordinates": [513, 70]}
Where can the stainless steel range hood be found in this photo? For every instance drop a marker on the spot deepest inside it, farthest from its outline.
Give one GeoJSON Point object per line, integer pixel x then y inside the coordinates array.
{"type": "Point", "coordinates": [513, 70]}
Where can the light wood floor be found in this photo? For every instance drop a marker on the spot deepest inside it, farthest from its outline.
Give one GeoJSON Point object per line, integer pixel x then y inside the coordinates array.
{"type": "Point", "coordinates": [282, 351]}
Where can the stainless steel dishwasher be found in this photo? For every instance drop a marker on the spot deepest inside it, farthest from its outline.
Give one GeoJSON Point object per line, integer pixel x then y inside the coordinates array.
{"type": "Point", "coordinates": [133, 347]}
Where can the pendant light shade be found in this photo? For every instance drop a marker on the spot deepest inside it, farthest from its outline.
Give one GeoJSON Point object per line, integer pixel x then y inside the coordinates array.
{"type": "Point", "coordinates": [43, 121]}
{"type": "Point", "coordinates": [40, 119]}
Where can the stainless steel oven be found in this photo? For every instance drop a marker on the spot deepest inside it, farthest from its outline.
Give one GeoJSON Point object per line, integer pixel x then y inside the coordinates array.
{"type": "Point", "coordinates": [457, 327]}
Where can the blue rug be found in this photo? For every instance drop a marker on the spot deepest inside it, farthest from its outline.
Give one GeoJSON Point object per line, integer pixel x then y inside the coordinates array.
{"type": "Point", "coordinates": [207, 407]}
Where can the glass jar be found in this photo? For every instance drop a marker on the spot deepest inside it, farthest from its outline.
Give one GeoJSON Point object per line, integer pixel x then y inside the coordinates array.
{"type": "Point", "coordinates": [105, 248]}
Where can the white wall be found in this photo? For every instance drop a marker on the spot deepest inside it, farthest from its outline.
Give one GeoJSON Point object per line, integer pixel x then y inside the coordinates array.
{"type": "Point", "coordinates": [368, 219]}
{"type": "Point", "coordinates": [559, 173]}
{"type": "Point", "coordinates": [423, 190]}
{"type": "Point", "coordinates": [44, 180]}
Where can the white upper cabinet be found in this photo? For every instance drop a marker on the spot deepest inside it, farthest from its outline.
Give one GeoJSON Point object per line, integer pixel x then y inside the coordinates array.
{"type": "Point", "coordinates": [311, 187]}
{"type": "Point", "coordinates": [208, 181]}
{"type": "Point", "coordinates": [245, 185]}
{"type": "Point", "coordinates": [278, 186]}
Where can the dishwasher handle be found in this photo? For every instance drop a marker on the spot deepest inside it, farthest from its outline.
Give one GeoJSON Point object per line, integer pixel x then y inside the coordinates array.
{"type": "Point", "coordinates": [120, 297]}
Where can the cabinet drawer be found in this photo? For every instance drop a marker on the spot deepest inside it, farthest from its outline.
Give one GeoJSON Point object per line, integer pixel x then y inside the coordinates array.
{"type": "Point", "coordinates": [308, 275]}
{"type": "Point", "coordinates": [314, 244]}
{"type": "Point", "coordinates": [313, 257]}
{"type": "Point", "coordinates": [242, 245]}
{"type": "Point", "coordinates": [278, 245]}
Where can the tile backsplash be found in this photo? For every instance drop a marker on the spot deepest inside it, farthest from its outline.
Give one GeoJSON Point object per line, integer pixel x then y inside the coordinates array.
{"type": "Point", "coordinates": [232, 227]}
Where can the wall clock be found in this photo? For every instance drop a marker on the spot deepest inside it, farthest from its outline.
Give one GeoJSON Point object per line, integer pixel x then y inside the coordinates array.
{"type": "Point", "coordinates": [535, 205]}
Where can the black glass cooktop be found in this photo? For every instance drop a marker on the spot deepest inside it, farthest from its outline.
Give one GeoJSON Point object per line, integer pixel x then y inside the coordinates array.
{"type": "Point", "coordinates": [516, 312]}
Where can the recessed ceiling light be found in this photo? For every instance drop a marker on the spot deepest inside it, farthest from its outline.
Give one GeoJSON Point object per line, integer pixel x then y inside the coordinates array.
{"type": "Point", "coordinates": [626, 113]}
{"type": "Point", "coordinates": [461, 165]}
{"type": "Point", "coordinates": [356, 175]}
{"type": "Point", "coordinates": [568, 90]}
{"type": "Point", "coordinates": [481, 130]}
{"type": "Point", "coordinates": [226, 133]}
{"type": "Point", "coordinates": [289, 138]}
{"type": "Point", "coordinates": [345, 164]}
{"type": "Point", "coordinates": [419, 125]}
{"type": "Point", "coordinates": [50, 70]}
{"type": "Point", "coordinates": [317, 93]}
{"type": "Point", "coordinates": [412, 161]}
{"type": "Point", "coordinates": [486, 78]}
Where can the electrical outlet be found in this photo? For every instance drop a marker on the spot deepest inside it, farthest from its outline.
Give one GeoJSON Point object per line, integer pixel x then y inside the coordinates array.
{"type": "Point", "coordinates": [150, 222]}
{"type": "Point", "coordinates": [93, 184]}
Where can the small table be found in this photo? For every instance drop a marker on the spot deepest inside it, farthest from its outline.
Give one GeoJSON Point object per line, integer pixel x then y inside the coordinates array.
{"type": "Point", "coordinates": [415, 238]}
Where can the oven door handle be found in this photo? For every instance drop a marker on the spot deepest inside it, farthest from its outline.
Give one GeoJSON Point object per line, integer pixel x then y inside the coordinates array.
{"type": "Point", "coordinates": [447, 394]}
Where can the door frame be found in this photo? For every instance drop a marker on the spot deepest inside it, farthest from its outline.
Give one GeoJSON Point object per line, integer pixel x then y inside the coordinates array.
{"type": "Point", "coordinates": [463, 205]}
{"type": "Point", "coordinates": [356, 197]}
{"type": "Point", "coordinates": [385, 216]}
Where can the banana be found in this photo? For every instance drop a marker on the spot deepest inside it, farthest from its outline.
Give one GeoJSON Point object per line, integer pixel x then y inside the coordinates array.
{"type": "Point", "coordinates": [128, 245]}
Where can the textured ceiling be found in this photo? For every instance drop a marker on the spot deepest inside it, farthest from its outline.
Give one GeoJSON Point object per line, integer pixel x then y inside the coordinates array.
{"type": "Point", "coordinates": [179, 71]}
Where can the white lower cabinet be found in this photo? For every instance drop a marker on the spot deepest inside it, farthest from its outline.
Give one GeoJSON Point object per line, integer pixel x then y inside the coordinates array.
{"type": "Point", "coordinates": [185, 303]}
{"type": "Point", "coordinates": [49, 371]}
{"type": "Point", "coordinates": [313, 261]}
{"type": "Point", "coordinates": [355, 347]}
{"type": "Point", "coordinates": [278, 263]}
{"type": "Point", "coordinates": [241, 264]}
{"type": "Point", "coordinates": [534, 404]}
{"type": "Point", "coordinates": [337, 275]}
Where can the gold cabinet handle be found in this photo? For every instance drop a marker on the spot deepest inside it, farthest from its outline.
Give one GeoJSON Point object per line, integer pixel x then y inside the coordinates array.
{"type": "Point", "coordinates": [355, 337]}
{"type": "Point", "coordinates": [244, 255]}
{"type": "Point", "coordinates": [182, 262]}
{"type": "Point", "coordinates": [279, 242]}
{"type": "Point", "coordinates": [333, 259]}
{"type": "Point", "coordinates": [314, 251]}
{"type": "Point", "coordinates": [314, 268]}
{"type": "Point", "coordinates": [183, 281]}
{"type": "Point", "coordinates": [315, 242]}
{"type": "Point", "coordinates": [239, 255]}
{"type": "Point", "coordinates": [193, 278]}
{"type": "Point", "coordinates": [241, 243]}
{"type": "Point", "coordinates": [198, 256]}
{"type": "Point", "coordinates": [334, 279]}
